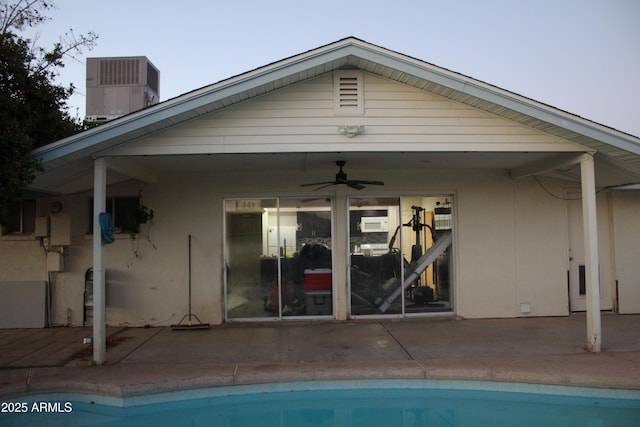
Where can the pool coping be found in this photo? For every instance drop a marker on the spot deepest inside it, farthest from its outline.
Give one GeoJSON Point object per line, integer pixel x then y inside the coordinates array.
{"type": "Point", "coordinates": [133, 380]}
{"type": "Point", "coordinates": [324, 385]}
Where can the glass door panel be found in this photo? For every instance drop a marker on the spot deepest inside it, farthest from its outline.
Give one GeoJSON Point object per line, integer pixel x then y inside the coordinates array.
{"type": "Point", "coordinates": [375, 266]}
{"type": "Point", "coordinates": [306, 256]}
{"type": "Point", "coordinates": [279, 258]}
{"type": "Point", "coordinates": [400, 259]}
{"type": "Point", "coordinates": [427, 228]}
{"type": "Point", "coordinates": [247, 291]}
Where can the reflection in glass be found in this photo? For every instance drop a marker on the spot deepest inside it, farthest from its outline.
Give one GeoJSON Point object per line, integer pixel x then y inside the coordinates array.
{"type": "Point", "coordinates": [245, 292]}
{"type": "Point", "coordinates": [279, 258]}
{"type": "Point", "coordinates": [400, 266]}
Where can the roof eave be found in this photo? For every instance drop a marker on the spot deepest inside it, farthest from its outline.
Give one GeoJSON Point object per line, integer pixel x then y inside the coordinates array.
{"type": "Point", "coordinates": [173, 108]}
{"type": "Point", "coordinates": [195, 103]}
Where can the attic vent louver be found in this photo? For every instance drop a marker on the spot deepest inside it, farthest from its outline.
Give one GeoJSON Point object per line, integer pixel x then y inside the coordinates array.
{"type": "Point", "coordinates": [348, 93]}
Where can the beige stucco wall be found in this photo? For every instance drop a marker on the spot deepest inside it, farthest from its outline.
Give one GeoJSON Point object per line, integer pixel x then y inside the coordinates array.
{"type": "Point", "coordinates": [626, 226]}
{"type": "Point", "coordinates": [510, 247]}
{"type": "Point", "coordinates": [21, 259]}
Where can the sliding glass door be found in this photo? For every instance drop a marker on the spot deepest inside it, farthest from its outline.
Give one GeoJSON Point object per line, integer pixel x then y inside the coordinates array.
{"type": "Point", "coordinates": [400, 260]}
{"type": "Point", "coordinates": [279, 258]}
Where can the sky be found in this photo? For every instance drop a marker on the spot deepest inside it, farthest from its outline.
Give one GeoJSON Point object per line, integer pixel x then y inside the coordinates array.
{"type": "Point", "coordinates": [581, 56]}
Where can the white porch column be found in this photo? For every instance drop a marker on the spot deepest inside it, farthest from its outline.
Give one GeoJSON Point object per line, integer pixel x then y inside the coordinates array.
{"type": "Point", "coordinates": [340, 245]}
{"type": "Point", "coordinates": [587, 171]}
{"type": "Point", "coordinates": [99, 205]}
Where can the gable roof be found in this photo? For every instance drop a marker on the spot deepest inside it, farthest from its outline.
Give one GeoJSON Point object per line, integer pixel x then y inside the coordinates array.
{"type": "Point", "coordinates": [348, 53]}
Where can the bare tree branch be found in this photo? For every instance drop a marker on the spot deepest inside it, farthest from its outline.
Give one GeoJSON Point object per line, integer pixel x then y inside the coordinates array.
{"type": "Point", "coordinates": [23, 13]}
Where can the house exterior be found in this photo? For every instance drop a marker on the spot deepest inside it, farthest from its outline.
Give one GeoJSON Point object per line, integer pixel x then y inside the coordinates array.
{"type": "Point", "coordinates": [493, 204]}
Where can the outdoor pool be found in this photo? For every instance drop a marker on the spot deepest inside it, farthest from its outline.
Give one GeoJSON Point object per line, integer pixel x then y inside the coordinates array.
{"type": "Point", "coordinates": [367, 403]}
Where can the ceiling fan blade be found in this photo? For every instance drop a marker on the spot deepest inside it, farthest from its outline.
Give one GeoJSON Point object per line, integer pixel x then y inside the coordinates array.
{"type": "Point", "coordinates": [355, 185]}
{"type": "Point", "coordinates": [326, 184]}
{"type": "Point", "coordinates": [318, 183]}
{"type": "Point", "coordinates": [361, 181]}
{"type": "Point", "coordinates": [341, 179]}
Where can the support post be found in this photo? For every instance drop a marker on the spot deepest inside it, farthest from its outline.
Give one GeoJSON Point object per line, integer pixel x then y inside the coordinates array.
{"type": "Point", "coordinates": [594, 333]}
{"type": "Point", "coordinates": [99, 294]}
{"type": "Point", "coordinates": [341, 265]}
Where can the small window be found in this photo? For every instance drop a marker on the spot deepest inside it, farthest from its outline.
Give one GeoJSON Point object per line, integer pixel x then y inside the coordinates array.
{"type": "Point", "coordinates": [124, 211]}
{"type": "Point", "coordinates": [21, 217]}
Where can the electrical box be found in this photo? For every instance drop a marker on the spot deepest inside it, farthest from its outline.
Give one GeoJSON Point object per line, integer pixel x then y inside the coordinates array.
{"type": "Point", "coordinates": [42, 226]}
{"type": "Point", "coordinates": [60, 225]}
{"type": "Point", "coordinates": [55, 262]}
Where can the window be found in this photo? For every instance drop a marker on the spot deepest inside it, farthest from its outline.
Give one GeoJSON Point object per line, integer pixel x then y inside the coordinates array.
{"type": "Point", "coordinates": [124, 211]}
{"type": "Point", "coordinates": [21, 217]}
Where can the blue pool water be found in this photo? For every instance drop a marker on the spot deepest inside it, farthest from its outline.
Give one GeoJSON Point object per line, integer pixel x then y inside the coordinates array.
{"type": "Point", "coordinates": [340, 403]}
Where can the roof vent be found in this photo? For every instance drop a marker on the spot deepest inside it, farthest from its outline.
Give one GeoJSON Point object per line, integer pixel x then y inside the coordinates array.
{"type": "Point", "coordinates": [348, 93]}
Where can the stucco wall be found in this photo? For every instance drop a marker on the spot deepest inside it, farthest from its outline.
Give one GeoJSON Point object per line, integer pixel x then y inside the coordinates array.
{"type": "Point", "coordinates": [510, 246]}
{"type": "Point", "coordinates": [626, 211]}
{"type": "Point", "coordinates": [541, 249]}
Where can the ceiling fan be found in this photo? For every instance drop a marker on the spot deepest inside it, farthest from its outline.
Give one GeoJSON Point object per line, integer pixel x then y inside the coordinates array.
{"type": "Point", "coordinates": [341, 179]}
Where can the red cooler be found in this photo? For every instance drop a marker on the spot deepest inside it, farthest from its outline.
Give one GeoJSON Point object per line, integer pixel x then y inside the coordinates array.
{"type": "Point", "coordinates": [317, 280]}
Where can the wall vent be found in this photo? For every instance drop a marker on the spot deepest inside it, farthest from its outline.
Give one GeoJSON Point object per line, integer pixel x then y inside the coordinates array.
{"type": "Point", "coordinates": [348, 93]}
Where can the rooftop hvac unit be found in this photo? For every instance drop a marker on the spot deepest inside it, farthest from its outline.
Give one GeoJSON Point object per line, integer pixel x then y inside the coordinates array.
{"type": "Point", "coordinates": [120, 85]}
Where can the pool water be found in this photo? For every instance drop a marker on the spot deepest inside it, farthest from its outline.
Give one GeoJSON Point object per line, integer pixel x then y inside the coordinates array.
{"type": "Point", "coordinates": [343, 404]}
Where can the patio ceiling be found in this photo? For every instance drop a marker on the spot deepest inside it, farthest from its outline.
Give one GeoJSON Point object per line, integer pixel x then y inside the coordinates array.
{"type": "Point", "coordinates": [79, 176]}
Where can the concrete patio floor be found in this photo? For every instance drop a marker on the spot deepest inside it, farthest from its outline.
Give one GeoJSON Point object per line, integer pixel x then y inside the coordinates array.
{"type": "Point", "coordinates": [150, 360]}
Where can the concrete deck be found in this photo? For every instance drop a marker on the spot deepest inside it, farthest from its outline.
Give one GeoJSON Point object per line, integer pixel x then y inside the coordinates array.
{"type": "Point", "coordinates": [148, 360]}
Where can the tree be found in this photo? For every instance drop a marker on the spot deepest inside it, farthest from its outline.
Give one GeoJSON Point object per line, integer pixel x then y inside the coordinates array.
{"type": "Point", "coordinates": [33, 107]}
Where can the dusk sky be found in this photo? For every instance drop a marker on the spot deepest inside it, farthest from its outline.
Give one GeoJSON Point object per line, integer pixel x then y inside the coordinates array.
{"type": "Point", "coordinates": [582, 56]}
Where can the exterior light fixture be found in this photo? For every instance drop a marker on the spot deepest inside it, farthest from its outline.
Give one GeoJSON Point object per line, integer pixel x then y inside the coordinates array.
{"type": "Point", "coordinates": [350, 130]}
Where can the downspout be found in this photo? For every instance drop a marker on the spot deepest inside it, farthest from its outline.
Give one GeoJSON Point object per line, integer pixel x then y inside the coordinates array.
{"type": "Point", "coordinates": [587, 173]}
{"type": "Point", "coordinates": [99, 205]}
